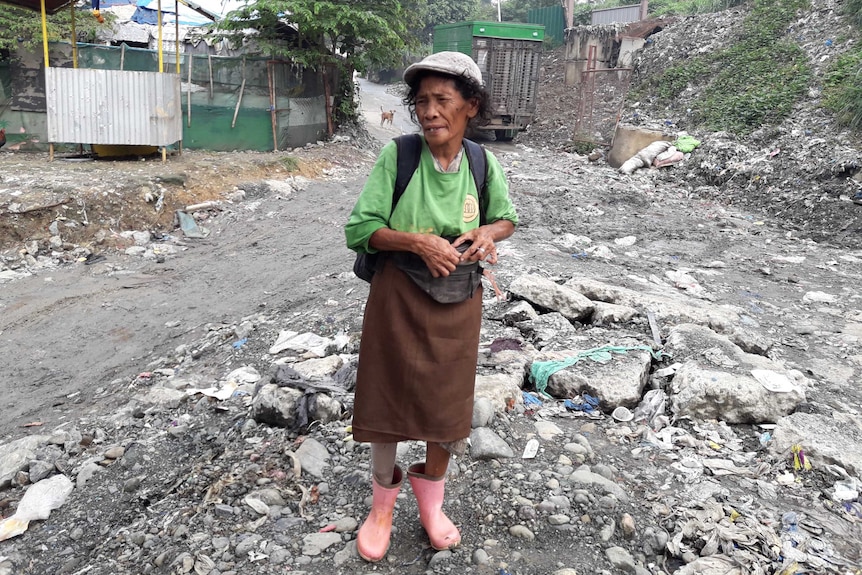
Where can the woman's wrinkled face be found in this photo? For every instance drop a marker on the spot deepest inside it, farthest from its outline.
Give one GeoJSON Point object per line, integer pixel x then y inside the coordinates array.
{"type": "Point", "coordinates": [442, 111]}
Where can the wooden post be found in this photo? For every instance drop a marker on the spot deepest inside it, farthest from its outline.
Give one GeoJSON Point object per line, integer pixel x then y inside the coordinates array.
{"type": "Point", "coordinates": [210, 66]}
{"type": "Point", "coordinates": [122, 55]}
{"type": "Point", "coordinates": [328, 93]}
{"type": "Point", "coordinates": [570, 13]}
{"type": "Point", "coordinates": [189, 91]}
{"type": "Point", "coordinates": [270, 76]}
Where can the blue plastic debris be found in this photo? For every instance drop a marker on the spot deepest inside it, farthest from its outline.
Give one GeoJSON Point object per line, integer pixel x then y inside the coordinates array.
{"type": "Point", "coordinates": [530, 399]}
{"type": "Point", "coordinates": [239, 343]}
{"type": "Point", "coordinates": [589, 404]}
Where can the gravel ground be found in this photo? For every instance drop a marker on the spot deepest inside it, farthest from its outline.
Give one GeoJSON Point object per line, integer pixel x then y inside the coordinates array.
{"type": "Point", "coordinates": [103, 354]}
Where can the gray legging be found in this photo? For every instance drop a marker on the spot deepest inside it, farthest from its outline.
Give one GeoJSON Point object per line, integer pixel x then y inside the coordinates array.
{"type": "Point", "coordinates": [383, 462]}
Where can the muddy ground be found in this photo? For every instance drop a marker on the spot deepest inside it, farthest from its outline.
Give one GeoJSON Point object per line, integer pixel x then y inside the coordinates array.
{"type": "Point", "coordinates": [78, 330]}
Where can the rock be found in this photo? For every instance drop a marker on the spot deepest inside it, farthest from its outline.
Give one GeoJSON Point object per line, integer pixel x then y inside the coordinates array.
{"type": "Point", "coordinates": [276, 405]}
{"type": "Point", "coordinates": [480, 557]}
{"type": "Point", "coordinates": [313, 457]}
{"type": "Point", "coordinates": [16, 455]}
{"type": "Point", "coordinates": [516, 312]}
{"type": "Point", "coordinates": [619, 382]}
{"type": "Point", "coordinates": [485, 444]}
{"type": "Point", "coordinates": [610, 313]}
{"type": "Point", "coordinates": [316, 543]}
{"type": "Point", "coordinates": [705, 394]}
{"type": "Point", "coordinates": [521, 532]}
{"type": "Point", "coordinates": [551, 296]}
{"type": "Point", "coordinates": [248, 544]}
{"type": "Point", "coordinates": [316, 369]}
{"type": "Point", "coordinates": [498, 388]}
{"type": "Point", "coordinates": [620, 559]}
{"type": "Point", "coordinates": [86, 473]}
{"type": "Point", "coordinates": [547, 430]}
{"type": "Point", "coordinates": [667, 305]}
{"type": "Point", "coordinates": [162, 397]}
{"type": "Point", "coordinates": [627, 524]}
{"type": "Point", "coordinates": [585, 476]}
{"type": "Point", "coordinates": [832, 439]}
{"type": "Point", "coordinates": [483, 412]}
{"type": "Point", "coordinates": [39, 470]}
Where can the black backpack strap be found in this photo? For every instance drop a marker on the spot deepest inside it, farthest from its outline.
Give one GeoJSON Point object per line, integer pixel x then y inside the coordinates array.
{"type": "Point", "coordinates": [409, 148]}
{"type": "Point", "coordinates": [479, 168]}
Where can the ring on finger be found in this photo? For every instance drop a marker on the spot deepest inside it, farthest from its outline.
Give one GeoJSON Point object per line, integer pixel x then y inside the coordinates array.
{"type": "Point", "coordinates": [481, 250]}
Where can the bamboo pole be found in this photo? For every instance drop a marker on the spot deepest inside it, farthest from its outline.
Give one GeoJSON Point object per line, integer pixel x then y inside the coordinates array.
{"type": "Point", "coordinates": [241, 90]}
{"type": "Point", "coordinates": [210, 66]}
{"type": "Point", "coordinates": [122, 55]}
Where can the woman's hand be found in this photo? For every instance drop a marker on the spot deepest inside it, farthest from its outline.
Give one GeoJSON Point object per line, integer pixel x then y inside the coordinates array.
{"type": "Point", "coordinates": [439, 255]}
{"type": "Point", "coordinates": [484, 238]}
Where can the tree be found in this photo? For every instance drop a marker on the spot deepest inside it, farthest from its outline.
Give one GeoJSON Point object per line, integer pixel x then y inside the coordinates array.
{"type": "Point", "coordinates": [21, 26]}
{"type": "Point", "coordinates": [516, 10]}
{"type": "Point", "coordinates": [330, 36]}
{"type": "Point", "coordinates": [448, 12]}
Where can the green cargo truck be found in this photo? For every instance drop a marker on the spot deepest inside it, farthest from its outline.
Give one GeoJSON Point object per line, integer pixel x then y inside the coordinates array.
{"type": "Point", "coordinates": [508, 54]}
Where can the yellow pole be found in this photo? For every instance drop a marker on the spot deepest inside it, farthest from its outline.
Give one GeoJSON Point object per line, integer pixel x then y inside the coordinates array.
{"type": "Point", "coordinates": [45, 32]}
{"type": "Point", "coordinates": [177, 32]}
{"type": "Point", "coordinates": [74, 37]}
{"type": "Point", "coordinates": [161, 56]}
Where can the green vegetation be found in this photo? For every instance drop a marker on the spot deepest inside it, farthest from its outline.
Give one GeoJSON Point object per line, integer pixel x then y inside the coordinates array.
{"type": "Point", "coordinates": [750, 84]}
{"type": "Point", "coordinates": [843, 85]}
{"type": "Point", "coordinates": [18, 25]}
{"type": "Point", "coordinates": [843, 89]}
{"type": "Point", "coordinates": [290, 163]}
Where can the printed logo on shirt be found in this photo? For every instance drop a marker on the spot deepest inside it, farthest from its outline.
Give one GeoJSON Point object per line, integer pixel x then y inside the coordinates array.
{"type": "Point", "coordinates": [471, 209]}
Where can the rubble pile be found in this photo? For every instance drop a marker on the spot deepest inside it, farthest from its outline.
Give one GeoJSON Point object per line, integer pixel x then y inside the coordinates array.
{"type": "Point", "coordinates": [806, 171]}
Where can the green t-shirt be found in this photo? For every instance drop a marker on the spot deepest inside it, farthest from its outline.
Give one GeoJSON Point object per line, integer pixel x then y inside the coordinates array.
{"type": "Point", "coordinates": [434, 203]}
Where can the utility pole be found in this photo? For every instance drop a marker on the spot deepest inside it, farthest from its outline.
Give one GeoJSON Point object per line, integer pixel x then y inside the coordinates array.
{"type": "Point", "coordinates": [499, 17]}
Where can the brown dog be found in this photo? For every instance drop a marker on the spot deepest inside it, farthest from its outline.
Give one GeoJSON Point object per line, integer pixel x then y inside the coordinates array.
{"type": "Point", "coordinates": [386, 116]}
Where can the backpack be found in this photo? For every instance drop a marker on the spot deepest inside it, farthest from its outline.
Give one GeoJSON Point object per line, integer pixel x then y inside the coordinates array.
{"type": "Point", "coordinates": [409, 153]}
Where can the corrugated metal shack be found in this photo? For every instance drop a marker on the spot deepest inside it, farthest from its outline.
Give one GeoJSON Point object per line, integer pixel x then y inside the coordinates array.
{"type": "Point", "coordinates": [216, 102]}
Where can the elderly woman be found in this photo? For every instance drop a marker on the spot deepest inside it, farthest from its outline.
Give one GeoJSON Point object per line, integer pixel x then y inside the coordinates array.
{"type": "Point", "coordinates": [417, 358]}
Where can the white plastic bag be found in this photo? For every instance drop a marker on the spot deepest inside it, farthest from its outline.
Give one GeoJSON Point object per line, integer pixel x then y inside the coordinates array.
{"type": "Point", "coordinates": [37, 503]}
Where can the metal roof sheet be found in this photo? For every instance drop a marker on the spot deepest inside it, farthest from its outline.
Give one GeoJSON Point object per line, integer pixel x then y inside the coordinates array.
{"type": "Point", "coordinates": [51, 6]}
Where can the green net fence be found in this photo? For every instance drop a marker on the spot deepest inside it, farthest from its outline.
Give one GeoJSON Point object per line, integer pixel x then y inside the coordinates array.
{"type": "Point", "coordinates": [229, 103]}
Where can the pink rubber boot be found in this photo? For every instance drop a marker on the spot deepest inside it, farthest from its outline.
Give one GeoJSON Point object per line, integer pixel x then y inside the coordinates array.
{"type": "Point", "coordinates": [372, 540]}
{"type": "Point", "coordinates": [429, 495]}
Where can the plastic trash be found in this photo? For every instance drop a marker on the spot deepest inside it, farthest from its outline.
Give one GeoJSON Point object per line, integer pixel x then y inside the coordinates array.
{"type": "Point", "coordinates": [531, 400]}
{"type": "Point", "coordinates": [588, 404]}
{"type": "Point", "coordinates": [531, 449]}
{"type": "Point", "coordinates": [190, 227]}
{"type": "Point", "coordinates": [772, 380]}
{"type": "Point", "coordinates": [37, 504]}
{"type": "Point", "coordinates": [622, 414]}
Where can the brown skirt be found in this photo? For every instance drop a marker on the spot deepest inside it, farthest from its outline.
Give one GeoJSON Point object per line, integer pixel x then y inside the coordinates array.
{"type": "Point", "coordinates": [417, 363]}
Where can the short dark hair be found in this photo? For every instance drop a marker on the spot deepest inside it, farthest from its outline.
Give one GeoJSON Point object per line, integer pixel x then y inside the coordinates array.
{"type": "Point", "coordinates": [466, 88]}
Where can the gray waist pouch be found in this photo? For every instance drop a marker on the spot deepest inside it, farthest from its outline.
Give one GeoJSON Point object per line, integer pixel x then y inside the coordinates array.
{"type": "Point", "coordinates": [458, 286]}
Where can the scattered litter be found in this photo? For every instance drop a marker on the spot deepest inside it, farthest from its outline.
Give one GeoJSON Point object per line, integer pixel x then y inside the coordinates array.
{"type": "Point", "coordinates": [772, 380]}
{"type": "Point", "coordinates": [588, 404]}
{"type": "Point", "coordinates": [531, 449]}
{"type": "Point", "coordinates": [190, 227]}
{"type": "Point", "coordinates": [239, 343]}
{"type": "Point", "coordinates": [800, 462]}
{"type": "Point", "coordinates": [38, 502]}
{"type": "Point", "coordinates": [622, 413]}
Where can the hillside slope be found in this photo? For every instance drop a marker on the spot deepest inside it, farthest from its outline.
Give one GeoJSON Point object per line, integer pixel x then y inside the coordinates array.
{"type": "Point", "coordinates": [805, 169]}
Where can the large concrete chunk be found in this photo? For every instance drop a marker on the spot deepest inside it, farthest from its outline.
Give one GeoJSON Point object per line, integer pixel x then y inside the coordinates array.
{"type": "Point", "coordinates": [833, 439]}
{"type": "Point", "coordinates": [549, 295]}
{"type": "Point", "coordinates": [618, 382]}
{"type": "Point", "coordinates": [703, 394]}
{"type": "Point", "coordinates": [276, 405]}
{"type": "Point", "coordinates": [666, 305]}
